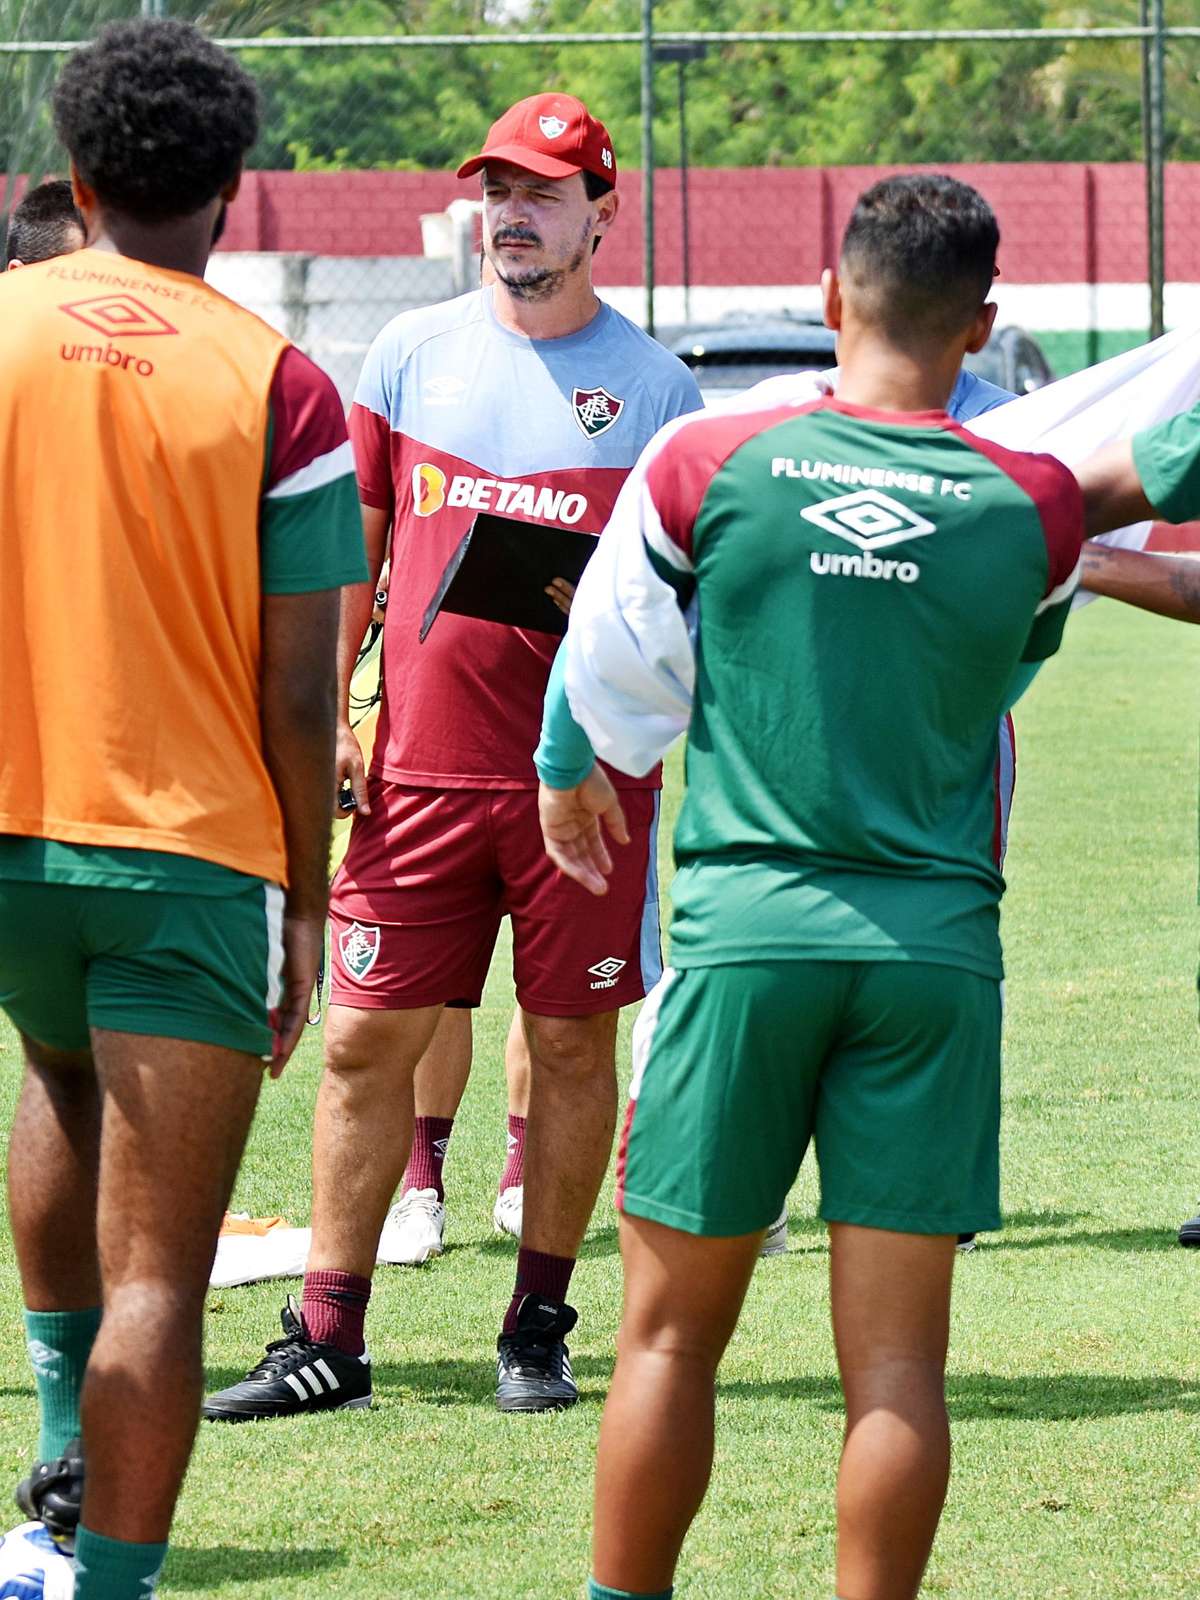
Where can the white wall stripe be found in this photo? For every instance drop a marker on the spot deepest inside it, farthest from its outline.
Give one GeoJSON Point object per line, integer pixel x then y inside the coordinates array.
{"type": "Point", "coordinates": [324, 469]}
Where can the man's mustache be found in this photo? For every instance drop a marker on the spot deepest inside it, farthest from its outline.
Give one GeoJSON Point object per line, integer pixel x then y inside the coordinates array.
{"type": "Point", "coordinates": [515, 236]}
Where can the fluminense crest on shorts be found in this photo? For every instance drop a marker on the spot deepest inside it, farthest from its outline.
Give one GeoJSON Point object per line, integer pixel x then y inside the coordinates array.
{"type": "Point", "coordinates": [359, 949]}
{"type": "Point", "coordinates": [595, 410]}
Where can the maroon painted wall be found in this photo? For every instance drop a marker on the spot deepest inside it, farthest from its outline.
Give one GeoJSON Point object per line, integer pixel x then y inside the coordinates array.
{"type": "Point", "coordinates": [1060, 223]}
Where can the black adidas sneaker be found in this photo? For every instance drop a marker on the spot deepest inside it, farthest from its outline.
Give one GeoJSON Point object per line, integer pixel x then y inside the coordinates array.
{"type": "Point", "coordinates": [533, 1365]}
{"type": "Point", "coordinates": [52, 1493]}
{"type": "Point", "coordinates": [297, 1375]}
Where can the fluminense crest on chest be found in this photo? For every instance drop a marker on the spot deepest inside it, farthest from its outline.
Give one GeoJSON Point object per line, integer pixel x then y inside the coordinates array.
{"type": "Point", "coordinates": [596, 410]}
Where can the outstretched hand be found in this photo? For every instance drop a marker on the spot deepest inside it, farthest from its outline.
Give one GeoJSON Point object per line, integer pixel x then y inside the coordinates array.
{"type": "Point", "coordinates": [571, 828]}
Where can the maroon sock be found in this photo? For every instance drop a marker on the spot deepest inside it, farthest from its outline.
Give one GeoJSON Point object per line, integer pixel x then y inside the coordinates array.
{"type": "Point", "coordinates": [431, 1135]}
{"type": "Point", "coordinates": [513, 1175]}
{"type": "Point", "coordinates": [334, 1307]}
{"type": "Point", "coordinates": [540, 1274]}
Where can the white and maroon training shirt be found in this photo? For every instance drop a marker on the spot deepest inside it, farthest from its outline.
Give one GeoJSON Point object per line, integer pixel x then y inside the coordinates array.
{"type": "Point", "coordinates": [455, 415]}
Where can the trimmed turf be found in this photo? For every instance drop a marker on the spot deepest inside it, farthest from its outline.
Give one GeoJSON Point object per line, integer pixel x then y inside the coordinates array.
{"type": "Point", "coordinates": [1074, 1381]}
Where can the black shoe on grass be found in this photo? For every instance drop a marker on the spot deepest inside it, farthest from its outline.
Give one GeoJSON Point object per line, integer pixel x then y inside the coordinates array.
{"type": "Point", "coordinates": [1189, 1234]}
{"type": "Point", "coordinates": [533, 1365]}
{"type": "Point", "coordinates": [52, 1494]}
{"type": "Point", "coordinates": [296, 1376]}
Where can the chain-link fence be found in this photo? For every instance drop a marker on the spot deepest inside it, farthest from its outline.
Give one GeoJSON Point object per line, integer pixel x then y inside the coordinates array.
{"type": "Point", "coordinates": [756, 143]}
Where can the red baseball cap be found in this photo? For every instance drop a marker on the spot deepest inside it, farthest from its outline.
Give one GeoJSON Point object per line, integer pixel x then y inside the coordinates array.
{"type": "Point", "coordinates": [553, 135]}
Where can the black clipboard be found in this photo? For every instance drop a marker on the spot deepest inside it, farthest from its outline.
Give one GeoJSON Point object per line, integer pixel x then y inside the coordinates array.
{"type": "Point", "coordinates": [500, 571]}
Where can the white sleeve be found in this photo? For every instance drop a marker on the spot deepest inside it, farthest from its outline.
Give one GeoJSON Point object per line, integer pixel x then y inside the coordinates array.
{"type": "Point", "coordinates": [630, 667]}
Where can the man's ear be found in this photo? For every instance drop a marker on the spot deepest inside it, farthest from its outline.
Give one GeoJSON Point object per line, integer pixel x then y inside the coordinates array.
{"type": "Point", "coordinates": [85, 201]}
{"type": "Point", "coordinates": [606, 211]}
{"type": "Point", "coordinates": [981, 332]}
{"type": "Point", "coordinates": [831, 299]}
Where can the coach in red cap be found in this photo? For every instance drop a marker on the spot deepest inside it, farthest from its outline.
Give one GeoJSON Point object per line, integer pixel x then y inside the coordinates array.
{"type": "Point", "coordinates": [514, 411]}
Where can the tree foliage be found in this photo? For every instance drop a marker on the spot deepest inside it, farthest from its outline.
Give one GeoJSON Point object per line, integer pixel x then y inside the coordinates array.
{"type": "Point", "coordinates": [747, 104]}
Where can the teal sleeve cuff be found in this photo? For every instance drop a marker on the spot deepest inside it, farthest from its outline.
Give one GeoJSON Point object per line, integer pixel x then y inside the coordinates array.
{"type": "Point", "coordinates": [1026, 672]}
{"type": "Point", "coordinates": [564, 755]}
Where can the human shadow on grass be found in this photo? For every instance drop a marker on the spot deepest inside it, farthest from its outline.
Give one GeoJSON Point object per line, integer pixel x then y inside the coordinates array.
{"type": "Point", "coordinates": [1132, 1239]}
{"type": "Point", "coordinates": [450, 1382]}
{"type": "Point", "coordinates": [985, 1396]}
{"type": "Point", "coordinates": [203, 1567]}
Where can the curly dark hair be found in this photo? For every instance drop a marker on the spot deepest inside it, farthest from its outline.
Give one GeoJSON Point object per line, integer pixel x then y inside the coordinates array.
{"type": "Point", "coordinates": [156, 117]}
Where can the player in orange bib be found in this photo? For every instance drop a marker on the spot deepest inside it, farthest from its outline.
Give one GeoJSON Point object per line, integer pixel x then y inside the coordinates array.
{"type": "Point", "coordinates": [166, 756]}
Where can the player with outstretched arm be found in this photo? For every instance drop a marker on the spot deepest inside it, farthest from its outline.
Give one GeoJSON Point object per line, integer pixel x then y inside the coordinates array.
{"type": "Point", "coordinates": [837, 601]}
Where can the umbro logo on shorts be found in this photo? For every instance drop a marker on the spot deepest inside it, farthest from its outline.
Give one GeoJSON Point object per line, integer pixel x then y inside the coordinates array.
{"type": "Point", "coordinates": [607, 972]}
{"type": "Point", "coordinates": [359, 949]}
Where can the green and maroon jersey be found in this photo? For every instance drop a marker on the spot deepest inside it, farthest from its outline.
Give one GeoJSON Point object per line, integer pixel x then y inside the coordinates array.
{"type": "Point", "coordinates": [834, 602]}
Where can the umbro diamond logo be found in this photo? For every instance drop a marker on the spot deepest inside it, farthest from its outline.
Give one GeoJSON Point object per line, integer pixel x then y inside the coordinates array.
{"type": "Point", "coordinates": [118, 316]}
{"type": "Point", "coordinates": [868, 519]}
{"type": "Point", "coordinates": [607, 972]}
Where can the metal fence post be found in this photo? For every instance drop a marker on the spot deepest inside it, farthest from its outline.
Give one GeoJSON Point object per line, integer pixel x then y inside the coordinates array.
{"type": "Point", "coordinates": [648, 158]}
{"type": "Point", "coordinates": [1154, 141]}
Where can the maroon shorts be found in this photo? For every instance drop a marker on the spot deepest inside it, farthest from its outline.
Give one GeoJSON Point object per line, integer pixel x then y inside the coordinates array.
{"type": "Point", "coordinates": [417, 904]}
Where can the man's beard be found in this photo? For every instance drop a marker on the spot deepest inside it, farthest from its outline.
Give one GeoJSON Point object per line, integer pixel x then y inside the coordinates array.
{"type": "Point", "coordinates": [533, 284]}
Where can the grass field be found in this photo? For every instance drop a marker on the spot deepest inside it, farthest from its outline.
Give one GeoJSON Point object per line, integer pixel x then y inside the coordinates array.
{"type": "Point", "coordinates": [1075, 1368]}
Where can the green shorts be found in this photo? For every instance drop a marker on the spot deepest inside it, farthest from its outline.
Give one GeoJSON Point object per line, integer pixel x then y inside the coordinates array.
{"type": "Point", "coordinates": [892, 1068]}
{"type": "Point", "coordinates": [178, 966]}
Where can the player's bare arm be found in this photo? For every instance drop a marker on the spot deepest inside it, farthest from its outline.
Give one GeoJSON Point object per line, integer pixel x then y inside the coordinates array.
{"type": "Point", "coordinates": [299, 714]}
{"type": "Point", "coordinates": [1168, 585]}
{"type": "Point", "coordinates": [358, 603]}
{"type": "Point", "coordinates": [1113, 496]}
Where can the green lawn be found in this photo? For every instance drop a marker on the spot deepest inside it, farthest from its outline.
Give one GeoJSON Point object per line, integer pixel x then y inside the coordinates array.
{"type": "Point", "coordinates": [1075, 1367]}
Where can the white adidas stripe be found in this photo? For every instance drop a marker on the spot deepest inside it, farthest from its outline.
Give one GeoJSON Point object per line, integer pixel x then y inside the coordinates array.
{"type": "Point", "coordinates": [313, 1382]}
{"type": "Point", "coordinates": [327, 1373]}
{"type": "Point", "coordinates": [295, 1383]}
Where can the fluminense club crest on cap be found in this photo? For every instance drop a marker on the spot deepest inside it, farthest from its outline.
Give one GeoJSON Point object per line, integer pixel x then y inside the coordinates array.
{"type": "Point", "coordinates": [552, 127]}
{"type": "Point", "coordinates": [359, 948]}
{"type": "Point", "coordinates": [596, 410]}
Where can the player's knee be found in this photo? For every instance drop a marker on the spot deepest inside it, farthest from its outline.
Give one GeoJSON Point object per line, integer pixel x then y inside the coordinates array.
{"type": "Point", "coordinates": [665, 1338]}
{"type": "Point", "coordinates": [571, 1047]}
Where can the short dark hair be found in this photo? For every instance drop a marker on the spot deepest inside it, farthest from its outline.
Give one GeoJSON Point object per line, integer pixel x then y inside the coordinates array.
{"type": "Point", "coordinates": [40, 227]}
{"type": "Point", "coordinates": [157, 118]}
{"type": "Point", "coordinates": [921, 253]}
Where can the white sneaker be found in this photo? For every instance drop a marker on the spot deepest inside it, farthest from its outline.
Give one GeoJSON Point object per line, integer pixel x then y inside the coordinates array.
{"type": "Point", "coordinates": [508, 1210]}
{"type": "Point", "coordinates": [775, 1241]}
{"type": "Point", "coordinates": [414, 1230]}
